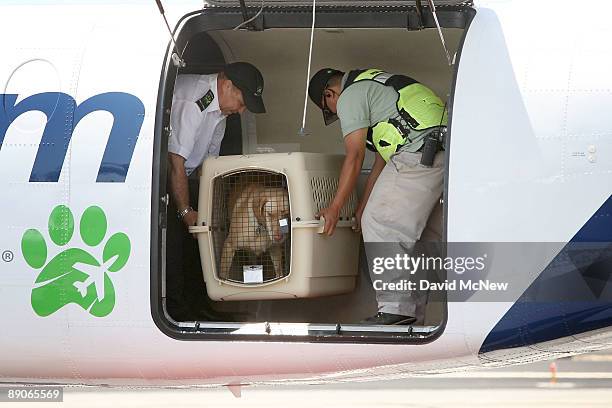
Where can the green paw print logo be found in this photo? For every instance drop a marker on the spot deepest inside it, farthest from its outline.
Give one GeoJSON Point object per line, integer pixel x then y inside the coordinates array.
{"type": "Point", "coordinates": [74, 275]}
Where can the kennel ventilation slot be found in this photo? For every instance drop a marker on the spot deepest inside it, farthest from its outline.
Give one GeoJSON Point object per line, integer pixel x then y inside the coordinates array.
{"type": "Point", "coordinates": [323, 191]}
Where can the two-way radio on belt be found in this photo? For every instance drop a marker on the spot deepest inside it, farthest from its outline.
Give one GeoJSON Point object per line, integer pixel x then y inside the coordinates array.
{"type": "Point", "coordinates": [433, 142]}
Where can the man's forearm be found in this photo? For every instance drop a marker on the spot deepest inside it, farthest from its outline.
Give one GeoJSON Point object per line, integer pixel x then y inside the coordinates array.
{"type": "Point", "coordinates": [348, 179]}
{"type": "Point", "coordinates": [179, 186]}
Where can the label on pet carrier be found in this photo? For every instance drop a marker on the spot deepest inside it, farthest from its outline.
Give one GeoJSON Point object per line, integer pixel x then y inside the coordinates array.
{"type": "Point", "coordinates": [284, 225]}
{"type": "Point", "coordinates": [252, 273]}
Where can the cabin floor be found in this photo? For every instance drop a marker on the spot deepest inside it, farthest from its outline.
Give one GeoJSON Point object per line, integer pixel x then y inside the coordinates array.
{"type": "Point", "coordinates": [348, 308]}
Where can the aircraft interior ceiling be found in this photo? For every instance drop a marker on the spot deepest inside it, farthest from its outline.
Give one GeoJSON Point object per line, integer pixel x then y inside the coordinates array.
{"type": "Point", "coordinates": [282, 56]}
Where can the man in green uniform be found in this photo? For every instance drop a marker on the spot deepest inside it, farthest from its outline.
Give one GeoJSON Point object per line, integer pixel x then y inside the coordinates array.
{"type": "Point", "coordinates": [392, 115]}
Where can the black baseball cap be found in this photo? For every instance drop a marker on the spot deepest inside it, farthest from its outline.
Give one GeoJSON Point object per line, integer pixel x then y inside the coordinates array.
{"type": "Point", "coordinates": [317, 85]}
{"type": "Point", "coordinates": [249, 80]}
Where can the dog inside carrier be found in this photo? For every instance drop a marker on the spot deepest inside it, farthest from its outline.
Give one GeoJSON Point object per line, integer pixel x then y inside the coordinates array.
{"type": "Point", "coordinates": [250, 226]}
{"type": "Point", "coordinates": [258, 234]}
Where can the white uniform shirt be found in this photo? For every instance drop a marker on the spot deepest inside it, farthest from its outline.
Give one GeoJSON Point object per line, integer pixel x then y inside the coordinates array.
{"type": "Point", "coordinates": [197, 130]}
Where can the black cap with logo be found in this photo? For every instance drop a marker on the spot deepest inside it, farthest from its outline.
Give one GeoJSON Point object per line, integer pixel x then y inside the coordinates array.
{"type": "Point", "coordinates": [249, 80]}
{"type": "Point", "coordinates": [317, 85]}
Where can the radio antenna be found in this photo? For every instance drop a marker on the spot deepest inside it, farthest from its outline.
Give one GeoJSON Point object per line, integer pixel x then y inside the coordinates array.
{"type": "Point", "coordinates": [176, 58]}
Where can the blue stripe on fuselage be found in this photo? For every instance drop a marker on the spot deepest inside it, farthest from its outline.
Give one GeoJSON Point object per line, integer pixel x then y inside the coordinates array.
{"type": "Point", "coordinates": [554, 306]}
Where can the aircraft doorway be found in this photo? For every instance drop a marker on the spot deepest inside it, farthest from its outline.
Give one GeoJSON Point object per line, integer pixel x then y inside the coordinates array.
{"type": "Point", "coordinates": [280, 53]}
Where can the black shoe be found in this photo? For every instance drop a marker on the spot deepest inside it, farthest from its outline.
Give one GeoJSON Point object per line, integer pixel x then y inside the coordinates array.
{"type": "Point", "coordinates": [388, 319]}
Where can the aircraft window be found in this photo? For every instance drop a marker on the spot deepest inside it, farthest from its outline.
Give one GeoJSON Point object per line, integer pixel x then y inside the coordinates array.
{"type": "Point", "coordinates": [288, 287]}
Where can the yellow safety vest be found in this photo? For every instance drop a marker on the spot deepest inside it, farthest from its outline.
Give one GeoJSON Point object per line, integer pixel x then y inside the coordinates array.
{"type": "Point", "coordinates": [417, 106]}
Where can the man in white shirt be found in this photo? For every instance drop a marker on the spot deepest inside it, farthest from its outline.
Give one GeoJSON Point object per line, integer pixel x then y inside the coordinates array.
{"type": "Point", "coordinates": [200, 106]}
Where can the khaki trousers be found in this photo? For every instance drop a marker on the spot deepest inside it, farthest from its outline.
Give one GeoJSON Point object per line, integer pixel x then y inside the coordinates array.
{"type": "Point", "coordinates": [394, 218]}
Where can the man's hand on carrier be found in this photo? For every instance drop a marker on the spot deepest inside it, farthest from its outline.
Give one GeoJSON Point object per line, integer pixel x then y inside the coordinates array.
{"type": "Point", "coordinates": [191, 218]}
{"type": "Point", "coordinates": [331, 215]}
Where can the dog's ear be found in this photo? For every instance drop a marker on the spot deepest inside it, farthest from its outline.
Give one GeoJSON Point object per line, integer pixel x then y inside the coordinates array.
{"type": "Point", "coordinates": [259, 208]}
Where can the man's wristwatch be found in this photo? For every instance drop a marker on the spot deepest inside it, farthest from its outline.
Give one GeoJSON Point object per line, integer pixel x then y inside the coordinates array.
{"type": "Point", "coordinates": [181, 214]}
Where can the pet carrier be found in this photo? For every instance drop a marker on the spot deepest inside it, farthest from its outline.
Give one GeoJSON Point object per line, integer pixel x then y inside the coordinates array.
{"type": "Point", "coordinates": [257, 232]}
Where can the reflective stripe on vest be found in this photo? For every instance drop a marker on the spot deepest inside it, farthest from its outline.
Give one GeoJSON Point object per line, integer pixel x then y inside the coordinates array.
{"type": "Point", "coordinates": [418, 109]}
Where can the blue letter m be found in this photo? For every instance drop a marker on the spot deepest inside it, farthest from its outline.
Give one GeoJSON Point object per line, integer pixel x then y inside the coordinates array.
{"type": "Point", "coordinates": [63, 115]}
